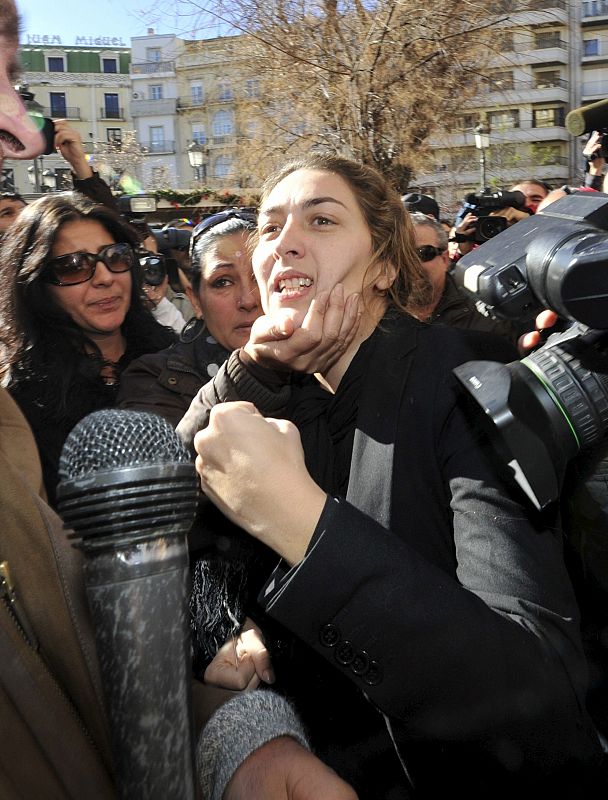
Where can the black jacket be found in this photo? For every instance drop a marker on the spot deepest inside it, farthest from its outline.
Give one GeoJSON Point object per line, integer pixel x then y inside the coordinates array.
{"type": "Point", "coordinates": [431, 590]}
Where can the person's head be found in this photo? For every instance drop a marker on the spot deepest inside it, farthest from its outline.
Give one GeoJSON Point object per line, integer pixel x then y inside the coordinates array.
{"type": "Point", "coordinates": [325, 220]}
{"type": "Point", "coordinates": [19, 136]}
{"type": "Point", "coordinates": [422, 203]}
{"type": "Point", "coordinates": [432, 247]}
{"type": "Point", "coordinates": [223, 288]}
{"type": "Point", "coordinates": [533, 190]}
{"type": "Point", "coordinates": [11, 205]}
{"type": "Point", "coordinates": [50, 290]}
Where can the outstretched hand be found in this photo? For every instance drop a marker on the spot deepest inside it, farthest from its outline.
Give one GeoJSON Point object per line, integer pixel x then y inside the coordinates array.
{"type": "Point", "coordinates": [69, 144]}
{"type": "Point", "coordinates": [327, 330]}
{"type": "Point", "coordinates": [527, 342]}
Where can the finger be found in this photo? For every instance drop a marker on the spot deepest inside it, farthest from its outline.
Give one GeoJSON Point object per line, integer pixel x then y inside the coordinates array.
{"type": "Point", "coordinates": [334, 314]}
{"type": "Point", "coordinates": [528, 342]}
{"type": "Point", "coordinates": [352, 316]}
{"type": "Point", "coordinates": [313, 320]}
{"type": "Point", "coordinates": [546, 319]}
{"type": "Point", "coordinates": [272, 328]}
{"type": "Point", "coordinates": [251, 645]}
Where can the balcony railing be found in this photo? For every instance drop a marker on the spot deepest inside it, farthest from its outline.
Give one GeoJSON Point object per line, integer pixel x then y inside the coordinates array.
{"type": "Point", "coordinates": [111, 113]}
{"type": "Point", "coordinates": [67, 112]}
{"type": "Point", "coordinates": [190, 102]}
{"type": "Point", "coordinates": [152, 67]}
{"type": "Point", "coordinates": [159, 147]}
{"type": "Point", "coordinates": [523, 86]}
{"type": "Point", "coordinates": [595, 88]}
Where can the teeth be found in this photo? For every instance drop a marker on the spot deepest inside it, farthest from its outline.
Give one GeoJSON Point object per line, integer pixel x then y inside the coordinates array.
{"type": "Point", "coordinates": [294, 283]}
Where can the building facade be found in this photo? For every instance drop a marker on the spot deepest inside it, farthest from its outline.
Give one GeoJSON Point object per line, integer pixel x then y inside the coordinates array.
{"type": "Point", "coordinates": [88, 85]}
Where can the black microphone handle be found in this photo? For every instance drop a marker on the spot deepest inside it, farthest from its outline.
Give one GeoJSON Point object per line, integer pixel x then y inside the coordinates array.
{"type": "Point", "coordinates": [138, 600]}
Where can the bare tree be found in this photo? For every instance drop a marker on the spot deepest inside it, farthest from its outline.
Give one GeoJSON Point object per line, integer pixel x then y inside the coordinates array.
{"type": "Point", "coordinates": [368, 80]}
{"type": "Point", "coordinates": [118, 159]}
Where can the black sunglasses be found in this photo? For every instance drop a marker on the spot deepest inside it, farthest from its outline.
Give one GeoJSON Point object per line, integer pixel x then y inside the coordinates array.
{"type": "Point", "coordinates": [217, 219]}
{"type": "Point", "coordinates": [73, 268]}
{"type": "Point", "coordinates": [427, 252]}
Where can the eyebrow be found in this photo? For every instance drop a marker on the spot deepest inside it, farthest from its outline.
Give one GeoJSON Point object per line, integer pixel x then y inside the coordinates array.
{"type": "Point", "coordinates": [219, 266]}
{"type": "Point", "coordinates": [314, 201]}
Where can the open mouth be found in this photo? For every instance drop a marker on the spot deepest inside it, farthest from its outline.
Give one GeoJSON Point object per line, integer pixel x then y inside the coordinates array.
{"type": "Point", "coordinates": [293, 284]}
{"type": "Point", "coordinates": [11, 142]}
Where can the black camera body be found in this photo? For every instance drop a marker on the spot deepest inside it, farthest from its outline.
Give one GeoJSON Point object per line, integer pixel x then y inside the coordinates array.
{"type": "Point", "coordinates": [554, 402]}
{"type": "Point", "coordinates": [482, 204]}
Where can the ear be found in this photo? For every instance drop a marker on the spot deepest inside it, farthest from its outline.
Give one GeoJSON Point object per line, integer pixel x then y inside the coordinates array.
{"type": "Point", "coordinates": [385, 277]}
{"type": "Point", "coordinates": [192, 297]}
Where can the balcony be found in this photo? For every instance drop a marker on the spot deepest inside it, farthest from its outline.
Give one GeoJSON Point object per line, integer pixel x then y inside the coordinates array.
{"type": "Point", "coordinates": [67, 112]}
{"type": "Point", "coordinates": [152, 67]}
{"type": "Point", "coordinates": [111, 113]}
{"type": "Point", "coordinates": [512, 92]}
{"type": "Point", "coordinates": [184, 103]}
{"type": "Point", "coordinates": [157, 148]}
{"type": "Point", "coordinates": [153, 108]}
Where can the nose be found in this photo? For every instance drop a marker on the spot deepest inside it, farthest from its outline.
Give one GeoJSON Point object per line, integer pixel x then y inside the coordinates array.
{"type": "Point", "coordinates": [102, 275]}
{"type": "Point", "coordinates": [289, 242]}
{"type": "Point", "coordinates": [249, 295]}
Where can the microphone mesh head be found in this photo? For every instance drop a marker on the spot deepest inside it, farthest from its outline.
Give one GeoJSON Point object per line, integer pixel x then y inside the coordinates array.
{"type": "Point", "coordinates": [116, 438]}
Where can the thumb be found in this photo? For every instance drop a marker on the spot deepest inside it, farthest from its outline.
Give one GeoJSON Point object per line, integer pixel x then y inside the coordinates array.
{"type": "Point", "coordinates": [272, 328]}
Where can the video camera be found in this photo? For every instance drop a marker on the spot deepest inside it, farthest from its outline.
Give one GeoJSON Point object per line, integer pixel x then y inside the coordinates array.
{"type": "Point", "coordinates": [554, 402]}
{"type": "Point", "coordinates": [589, 118]}
{"type": "Point", "coordinates": [482, 204]}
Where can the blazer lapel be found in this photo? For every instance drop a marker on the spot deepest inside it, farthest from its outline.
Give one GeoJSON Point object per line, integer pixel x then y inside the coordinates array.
{"type": "Point", "coordinates": [371, 469]}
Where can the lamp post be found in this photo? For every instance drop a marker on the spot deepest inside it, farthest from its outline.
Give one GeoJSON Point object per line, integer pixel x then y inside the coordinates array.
{"type": "Point", "coordinates": [196, 156]}
{"type": "Point", "coordinates": [49, 180]}
{"type": "Point", "coordinates": [34, 172]}
{"type": "Point", "coordinates": [482, 143]}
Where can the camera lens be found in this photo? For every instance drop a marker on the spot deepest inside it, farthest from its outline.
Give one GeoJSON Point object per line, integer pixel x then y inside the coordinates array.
{"type": "Point", "coordinates": [487, 227]}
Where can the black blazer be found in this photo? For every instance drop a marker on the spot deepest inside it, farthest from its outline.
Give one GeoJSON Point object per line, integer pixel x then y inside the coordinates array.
{"type": "Point", "coordinates": [432, 589]}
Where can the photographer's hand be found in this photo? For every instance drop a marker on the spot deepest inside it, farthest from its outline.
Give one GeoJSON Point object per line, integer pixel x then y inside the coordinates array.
{"type": "Point", "coordinates": [512, 215]}
{"type": "Point", "coordinates": [466, 228]}
{"type": "Point", "coordinates": [591, 151]}
{"type": "Point", "coordinates": [527, 342]}
{"type": "Point", "coordinates": [69, 145]}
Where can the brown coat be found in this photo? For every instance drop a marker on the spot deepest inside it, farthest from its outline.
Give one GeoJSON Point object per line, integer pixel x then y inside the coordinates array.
{"type": "Point", "coordinates": [55, 741]}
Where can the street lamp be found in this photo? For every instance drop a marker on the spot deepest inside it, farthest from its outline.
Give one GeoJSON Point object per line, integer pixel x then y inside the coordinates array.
{"type": "Point", "coordinates": [196, 156]}
{"type": "Point", "coordinates": [482, 142]}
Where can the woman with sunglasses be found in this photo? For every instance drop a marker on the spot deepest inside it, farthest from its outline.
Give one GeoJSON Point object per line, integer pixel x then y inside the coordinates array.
{"type": "Point", "coordinates": [226, 300]}
{"type": "Point", "coordinates": [436, 648]}
{"type": "Point", "coordinates": [71, 306]}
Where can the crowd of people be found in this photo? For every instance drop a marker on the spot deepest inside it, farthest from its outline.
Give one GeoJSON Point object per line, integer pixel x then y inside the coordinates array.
{"type": "Point", "coordinates": [376, 611]}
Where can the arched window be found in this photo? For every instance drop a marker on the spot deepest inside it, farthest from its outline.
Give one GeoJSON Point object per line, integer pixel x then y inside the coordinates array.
{"type": "Point", "coordinates": [222, 167]}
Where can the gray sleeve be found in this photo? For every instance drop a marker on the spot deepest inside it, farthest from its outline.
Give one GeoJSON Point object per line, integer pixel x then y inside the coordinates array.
{"type": "Point", "coordinates": [239, 727]}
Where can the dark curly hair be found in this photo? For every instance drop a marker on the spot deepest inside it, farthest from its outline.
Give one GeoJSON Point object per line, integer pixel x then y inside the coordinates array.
{"type": "Point", "coordinates": [36, 332]}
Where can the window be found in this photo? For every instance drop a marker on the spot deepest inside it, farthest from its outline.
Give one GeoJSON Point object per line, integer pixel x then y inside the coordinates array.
{"type": "Point", "coordinates": [505, 42]}
{"type": "Point", "coordinates": [58, 106]}
{"type": "Point", "coordinates": [252, 88]}
{"type": "Point", "coordinates": [153, 54]}
{"type": "Point", "coordinates": [548, 78]}
{"type": "Point", "coordinates": [7, 182]}
{"type": "Point", "coordinates": [222, 167]}
{"type": "Point", "coordinates": [109, 65]}
{"type": "Point", "coordinates": [502, 120]}
{"type": "Point", "coordinates": [157, 139]}
{"type": "Point", "coordinates": [468, 121]}
{"type": "Point", "coordinates": [114, 134]}
{"type": "Point", "coordinates": [547, 154]}
{"type": "Point", "coordinates": [196, 93]}
{"type": "Point", "coordinates": [198, 134]}
{"type": "Point", "coordinates": [591, 47]}
{"type": "Point", "coordinates": [111, 109]}
{"type": "Point", "coordinates": [548, 117]}
{"type": "Point", "coordinates": [500, 81]}
{"type": "Point", "coordinates": [547, 39]}
{"type": "Point", "coordinates": [56, 64]}
{"type": "Point", "coordinates": [223, 124]}
{"type": "Point", "coordinates": [224, 89]}
{"type": "Point", "coordinates": [155, 92]}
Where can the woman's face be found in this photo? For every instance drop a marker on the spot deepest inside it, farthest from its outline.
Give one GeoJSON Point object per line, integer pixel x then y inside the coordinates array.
{"type": "Point", "coordinates": [98, 306]}
{"type": "Point", "coordinates": [312, 236]}
{"type": "Point", "coordinates": [228, 298]}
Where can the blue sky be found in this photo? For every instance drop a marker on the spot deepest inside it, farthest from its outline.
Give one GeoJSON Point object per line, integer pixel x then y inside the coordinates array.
{"type": "Point", "coordinates": [110, 18]}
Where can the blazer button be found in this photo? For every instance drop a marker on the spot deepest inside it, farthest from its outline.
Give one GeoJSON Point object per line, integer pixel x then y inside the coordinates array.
{"type": "Point", "coordinates": [329, 635]}
{"type": "Point", "coordinates": [360, 663]}
{"type": "Point", "coordinates": [374, 674]}
{"type": "Point", "coordinates": [171, 381]}
{"type": "Point", "coordinates": [344, 653]}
